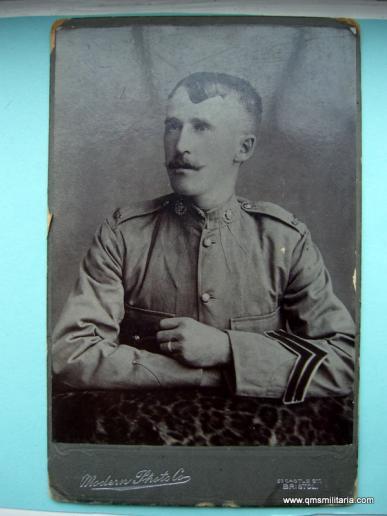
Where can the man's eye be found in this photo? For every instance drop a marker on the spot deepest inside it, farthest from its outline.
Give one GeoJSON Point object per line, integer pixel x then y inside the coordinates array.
{"type": "Point", "coordinates": [200, 126]}
{"type": "Point", "coordinates": [172, 125]}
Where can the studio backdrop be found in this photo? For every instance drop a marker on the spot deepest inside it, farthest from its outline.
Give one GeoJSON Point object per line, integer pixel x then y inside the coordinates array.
{"type": "Point", "coordinates": [108, 109]}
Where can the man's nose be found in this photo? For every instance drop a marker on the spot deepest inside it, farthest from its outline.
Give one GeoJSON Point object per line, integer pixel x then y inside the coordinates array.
{"type": "Point", "coordinates": [184, 141]}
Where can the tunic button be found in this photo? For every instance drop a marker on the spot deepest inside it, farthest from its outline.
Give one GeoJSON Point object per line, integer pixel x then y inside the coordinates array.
{"type": "Point", "coordinates": [227, 216]}
{"type": "Point", "coordinates": [205, 297]}
{"type": "Point", "coordinates": [247, 205]}
{"type": "Point", "coordinates": [207, 242]}
{"type": "Point", "coordinates": [136, 338]}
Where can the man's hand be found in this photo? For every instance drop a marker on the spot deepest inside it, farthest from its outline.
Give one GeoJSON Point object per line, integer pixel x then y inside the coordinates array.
{"type": "Point", "coordinates": [193, 343]}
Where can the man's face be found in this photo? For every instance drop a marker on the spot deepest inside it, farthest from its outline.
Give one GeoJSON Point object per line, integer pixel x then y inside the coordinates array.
{"type": "Point", "coordinates": [201, 143]}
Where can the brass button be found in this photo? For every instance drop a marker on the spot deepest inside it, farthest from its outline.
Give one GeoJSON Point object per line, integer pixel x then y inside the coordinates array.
{"type": "Point", "coordinates": [207, 242]}
{"type": "Point", "coordinates": [205, 297]}
{"type": "Point", "coordinates": [247, 205]}
{"type": "Point", "coordinates": [136, 338]}
{"type": "Point", "coordinates": [227, 216]}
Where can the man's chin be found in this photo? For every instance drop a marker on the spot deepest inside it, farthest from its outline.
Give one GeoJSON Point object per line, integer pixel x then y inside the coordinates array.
{"type": "Point", "coordinates": [182, 185]}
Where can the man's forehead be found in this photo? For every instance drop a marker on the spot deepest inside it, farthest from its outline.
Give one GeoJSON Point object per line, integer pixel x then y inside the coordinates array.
{"type": "Point", "coordinates": [181, 106]}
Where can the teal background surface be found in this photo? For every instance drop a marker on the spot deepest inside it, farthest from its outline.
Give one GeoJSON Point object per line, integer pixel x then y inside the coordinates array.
{"type": "Point", "coordinates": [24, 101]}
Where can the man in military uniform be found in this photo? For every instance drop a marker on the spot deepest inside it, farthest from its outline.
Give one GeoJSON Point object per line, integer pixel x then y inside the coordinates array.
{"type": "Point", "coordinates": [201, 288]}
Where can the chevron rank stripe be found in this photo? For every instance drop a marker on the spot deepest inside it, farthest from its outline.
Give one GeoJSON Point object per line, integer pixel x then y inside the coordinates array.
{"type": "Point", "coordinates": [317, 356]}
{"type": "Point", "coordinates": [309, 357]}
{"type": "Point", "coordinates": [303, 357]}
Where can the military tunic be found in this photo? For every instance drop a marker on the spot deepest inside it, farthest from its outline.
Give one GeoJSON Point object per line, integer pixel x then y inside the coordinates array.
{"type": "Point", "coordinates": [249, 269]}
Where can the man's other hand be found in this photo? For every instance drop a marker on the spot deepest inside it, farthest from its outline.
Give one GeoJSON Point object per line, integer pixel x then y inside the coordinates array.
{"type": "Point", "coordinates": [193, 343]}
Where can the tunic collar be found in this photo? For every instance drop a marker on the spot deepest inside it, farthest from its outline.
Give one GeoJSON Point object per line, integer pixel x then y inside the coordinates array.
{"type": "Point", "coordinates": [223, 215]}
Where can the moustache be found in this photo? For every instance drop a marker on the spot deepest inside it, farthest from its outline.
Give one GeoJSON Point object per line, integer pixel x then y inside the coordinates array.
{"type": "Point", "coordinates": [180, 162]}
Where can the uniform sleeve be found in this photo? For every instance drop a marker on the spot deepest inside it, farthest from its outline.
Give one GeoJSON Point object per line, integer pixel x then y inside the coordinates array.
{"type": "Point", "coordinates": [85, 350]}
{"type": "Point", "coordinates": [313, 354]}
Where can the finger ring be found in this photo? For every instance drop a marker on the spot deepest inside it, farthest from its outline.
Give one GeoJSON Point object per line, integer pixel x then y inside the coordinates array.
{"type": "Point", "coordinates": [169, 346]}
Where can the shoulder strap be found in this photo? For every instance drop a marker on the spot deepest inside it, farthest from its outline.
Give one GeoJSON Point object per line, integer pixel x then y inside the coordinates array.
{"type": "Point", "coordinates": [139, 209]}
{"type": "Point", "coordinates": [274, 211]}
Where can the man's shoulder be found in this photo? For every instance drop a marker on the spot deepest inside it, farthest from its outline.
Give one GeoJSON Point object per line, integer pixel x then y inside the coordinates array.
{"type": "Point", "coordinates": [139, 209]}
{"type": "Point", "coordinates": [272, 212]}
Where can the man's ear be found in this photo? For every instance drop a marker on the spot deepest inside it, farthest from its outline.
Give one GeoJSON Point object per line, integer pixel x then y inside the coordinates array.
{"type": "Point", "coordinates": [246, 148]}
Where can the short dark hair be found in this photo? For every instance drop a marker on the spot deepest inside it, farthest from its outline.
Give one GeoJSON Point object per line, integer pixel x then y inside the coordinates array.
{"type": "Point", "coordinates": [201, 86]}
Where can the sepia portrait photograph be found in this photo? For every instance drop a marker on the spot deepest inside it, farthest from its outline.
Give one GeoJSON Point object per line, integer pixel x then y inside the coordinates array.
{"type": "Point", "coordinates": [203, 252]}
